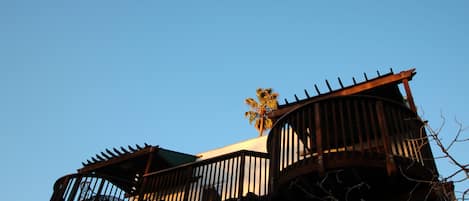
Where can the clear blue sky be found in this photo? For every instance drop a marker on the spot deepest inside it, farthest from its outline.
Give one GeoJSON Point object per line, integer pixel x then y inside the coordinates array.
{"type": "Point", "coordinates": [77, 77]}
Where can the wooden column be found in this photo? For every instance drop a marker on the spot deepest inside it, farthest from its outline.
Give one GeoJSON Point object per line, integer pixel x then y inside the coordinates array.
{"type": "Point", "coordinates": [147, 170]}
{"type": "Point", "coordinates": [410, 98]}
{"type": "Point", "coordinates": [317, 122]}
{"type": "Point", "coordinates": [390, 165]}
{"type": "Point", "coordinates": [274, 163]}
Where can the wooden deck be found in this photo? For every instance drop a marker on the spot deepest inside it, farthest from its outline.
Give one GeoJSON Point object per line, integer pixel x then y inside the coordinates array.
{"type": "Point", "coordinates": [238, 175]}
{"type": "Point", "coordinates": [349, 138]}
{"type": "Point", "coordinates": [345, 132]}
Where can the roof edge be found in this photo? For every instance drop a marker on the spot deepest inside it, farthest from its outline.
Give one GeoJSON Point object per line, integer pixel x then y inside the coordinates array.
{"type": "Point", "coordinates": [387, 79]}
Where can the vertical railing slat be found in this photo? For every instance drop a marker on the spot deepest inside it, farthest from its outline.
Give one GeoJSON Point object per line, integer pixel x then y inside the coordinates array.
{"type": "Point", "coordinates": [241, 175]}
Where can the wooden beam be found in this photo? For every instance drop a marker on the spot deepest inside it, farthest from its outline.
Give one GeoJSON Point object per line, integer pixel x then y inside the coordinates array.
{"type": "Point", "coordinates": [115, 160]}
{"type": "Point", "coordinates": [351, 90]}
{"type": "Point", "coordinates": [147, 170]}
{"type": "Point", "coordinates": [410, 98]}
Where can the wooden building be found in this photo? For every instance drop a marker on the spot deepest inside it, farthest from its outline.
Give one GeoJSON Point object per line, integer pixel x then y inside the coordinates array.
{"type": "Point", "coordinates": [358, 142]}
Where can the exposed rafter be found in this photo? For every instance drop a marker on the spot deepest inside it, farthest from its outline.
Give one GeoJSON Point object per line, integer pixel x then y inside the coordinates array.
{"type": "Point", "coordinates": [107, 155]}
{"type": "Point", "coordinates": [355, 88]}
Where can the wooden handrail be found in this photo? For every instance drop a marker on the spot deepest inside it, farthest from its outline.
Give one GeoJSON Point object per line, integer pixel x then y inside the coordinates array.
{"type": "Point", "coordinates": [229, 176]}
{"type": "Point", "coordinates": [89, 187]}
{"type": "Point", "coordinates": [359, 125]}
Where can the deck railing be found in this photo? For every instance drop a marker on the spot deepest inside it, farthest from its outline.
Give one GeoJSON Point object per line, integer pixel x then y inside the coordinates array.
{"type": "Point", "coordinates": [90, 187]}
{"type": "Point", "coordinates": [327, 134]}
{"type": "Point", "coordinates": [336, 131]}
{"type": "Point", "coordinates": [241, 175]}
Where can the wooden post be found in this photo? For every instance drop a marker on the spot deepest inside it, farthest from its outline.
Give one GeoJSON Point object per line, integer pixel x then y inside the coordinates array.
{"type": "Point", "coordinates": [410, 98]}
{"type": "Point", "coordinates": [275, 158]}
{"type": "Point", "coordinates": [317, 122]}
{"type": "Point", "coordinates": [390, 165]}
{"type": "Point", "coordinates": [147, 170]}
{"type": "Point", "coordinates": [187, 178]}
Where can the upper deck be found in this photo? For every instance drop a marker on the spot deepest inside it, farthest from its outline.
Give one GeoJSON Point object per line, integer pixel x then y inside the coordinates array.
{"type": "Point", "coordinates": [347, 132]}
{"type": "Point", "coordinates": [368, 125]}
